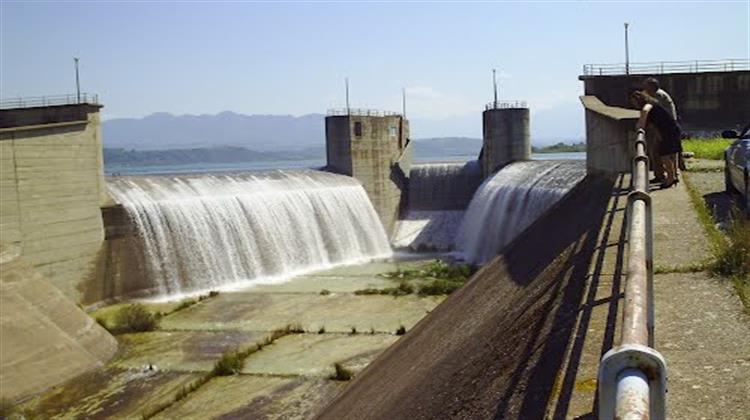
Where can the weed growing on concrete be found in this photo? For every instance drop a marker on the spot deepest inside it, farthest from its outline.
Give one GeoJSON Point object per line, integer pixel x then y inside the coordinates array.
{"type": "Point", "coordinates": [342, 373]}
{"type": "Point", "coordinates": [322, 330]}
{"type": "Point", "coordinates": [372, 330]}
{"type": "Point", "coordinates": [403, 289]}
{"type": "Point", "coordinates": [325, 292]}
{"type": "Point", "coordinates": [440, 287]}
{"type": "Point", "coordinates": [135, 318]}
{"type": "Point", "coordinates": [401, 330]}
{"type": "Point", "coordinates": [185, 304]}
{"type": "Point", "coordinates": [353, 331]}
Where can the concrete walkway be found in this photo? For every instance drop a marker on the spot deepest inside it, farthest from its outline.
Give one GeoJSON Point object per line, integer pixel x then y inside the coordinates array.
{"type": "Point", "coordinates": [700, 327]}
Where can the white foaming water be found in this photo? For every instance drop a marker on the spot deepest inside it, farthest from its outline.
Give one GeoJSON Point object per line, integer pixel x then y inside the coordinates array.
{"type": "Point", "coordinates": [510, 201]}
{"type": "Point", "coordinates": [213, 231]}
{"type": "Point", "coordinates": [443, 186]}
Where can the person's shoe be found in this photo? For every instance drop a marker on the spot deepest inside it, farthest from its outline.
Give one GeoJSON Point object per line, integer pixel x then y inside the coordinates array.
{"type": "Point", "coordinates": [666, 185]}
{"type": "Point", "coordinates": [656, 181]}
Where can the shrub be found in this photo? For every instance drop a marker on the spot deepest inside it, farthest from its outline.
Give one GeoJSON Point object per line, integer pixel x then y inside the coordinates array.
{"type": "Point", "coordinates": [135, 318]}
{"type": "Point", "coordinates": [186, 304]}
{"type": "Point", "coordinates": [440, 287]}
{"type": "Point", "coordinates": [733, 258]}
{"type": "Point", "coordinates": [353, 331]}
{"type": "Point", "coordinates": [229, 363]}
{"type": "Point", "coordinates": [325, 292]}
{"type": "Point", "coordinates": [342, 373]}
{"type": "Point", "coordinates": [322, 330]}
{"type": "Point", "coordinates": [401, 330]}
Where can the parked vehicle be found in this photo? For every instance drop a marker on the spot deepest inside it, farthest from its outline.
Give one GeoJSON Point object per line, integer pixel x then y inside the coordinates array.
{"type": "Point", "coordinates": [737, 164]}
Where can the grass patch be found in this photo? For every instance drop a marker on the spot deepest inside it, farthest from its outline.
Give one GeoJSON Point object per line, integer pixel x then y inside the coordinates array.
{"type": "Point", "coordinates": [437, 269]}
{"type": "Point", "coordinates": [403, 289]}
{"type": "Point", "coordinates": [442, 279]}
{"type": "Point", "coordinates": [133, 318]}
{"type": "Point", "coordinates": [712, 148]}
{"type": "Point", "coordinates": [325, 292]}
{"type": "Point", "coordinates": [322, 330]}
{"type": "Point", "coordinates": [692, 268]}
{"type": "Point", "coordinates": [342, 373]}
{"type": "Point", "coordinates": [440, 287]}
{"type": "Point", "coordinates": [730, 251]}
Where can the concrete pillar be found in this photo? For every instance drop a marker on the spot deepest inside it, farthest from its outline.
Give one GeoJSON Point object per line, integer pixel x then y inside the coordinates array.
{"type": "Point", "coordinates": [367, 145]}
{"type": "Point", "coordinates": [506, 136]}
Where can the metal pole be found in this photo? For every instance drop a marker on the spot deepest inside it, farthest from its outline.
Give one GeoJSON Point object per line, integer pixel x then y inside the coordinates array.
{"type": "Point", "coordinates": [494, 84]}
{"type": "Point", "coordinates": [346, 80]}
{"type": "Point", "coordinates": [627, 52]}
{"type": "Point", "coordinates": [78, 82]}
{"type": "Point", "coordinates": [403, 101]}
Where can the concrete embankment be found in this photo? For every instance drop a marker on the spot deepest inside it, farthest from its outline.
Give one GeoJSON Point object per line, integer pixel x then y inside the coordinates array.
{"type": "Point", "coordinates": [494, 348]}
{"type": "Point", "coordinates": [46, 338]}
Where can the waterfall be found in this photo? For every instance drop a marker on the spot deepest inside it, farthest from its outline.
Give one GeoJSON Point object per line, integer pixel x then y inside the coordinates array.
{"type": "Point", "coordinates": [207, 231]}
{"type": "Point", "coordinates": [443, 186]}
{"type": "Point", "coordinates": [511, 200]}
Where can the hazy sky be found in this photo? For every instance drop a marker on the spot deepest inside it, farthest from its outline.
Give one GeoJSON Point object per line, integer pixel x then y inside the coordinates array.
{"type": "Point", "coordinates": [291, 58]}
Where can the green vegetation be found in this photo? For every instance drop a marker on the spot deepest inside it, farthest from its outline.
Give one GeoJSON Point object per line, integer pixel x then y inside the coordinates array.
{"type": "Point", "coordinates": [342, 373]}
{"type": "Point", "coordinates": [325, 292]}
{"type": "Point", "coordinates": [560, 148]}
{"type": "Point", "coordinates": [437, 278]}
{"type": "Point", "coordinates": [730, 252]}
{"type": "Point", "coordinates": [322, 330]}
{"type": "Point", "coordinates": [135, 318]}
{"type": "Point", "coordinates": [401, 330]}
{"type": "Point", "coordinates": [706, 148]}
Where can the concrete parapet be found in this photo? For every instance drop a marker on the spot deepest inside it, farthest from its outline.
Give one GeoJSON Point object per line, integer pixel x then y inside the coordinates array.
{"type": "Point", "coordinates": [610, 136]}
{"type": "Point", "coordinates": [367, 147]}
{"type": "Point", "coordinates": [506, 138]}
{"type": "Point", "coordinates": [706, 101]}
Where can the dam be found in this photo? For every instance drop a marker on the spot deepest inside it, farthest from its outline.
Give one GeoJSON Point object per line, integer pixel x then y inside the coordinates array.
{"type": "Point", "coordinates": [324, 293]}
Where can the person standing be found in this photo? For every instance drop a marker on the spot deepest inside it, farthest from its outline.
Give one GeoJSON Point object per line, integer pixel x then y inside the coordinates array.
{"type": "Point", "coordinates": [652, 87]}
{"type": "Point", "coordinates": [666, 132]}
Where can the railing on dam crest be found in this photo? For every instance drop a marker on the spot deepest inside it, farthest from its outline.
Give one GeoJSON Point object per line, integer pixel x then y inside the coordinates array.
{"type": "Point", "coordinates": [663, 67]}
{"type": "Point", "coordinates": [633, 376]}
{"type": "Point", "coordinates": [49, 100]}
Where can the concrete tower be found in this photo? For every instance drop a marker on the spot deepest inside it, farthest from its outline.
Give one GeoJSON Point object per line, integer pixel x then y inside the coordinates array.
{"type": "Point", "coordinates": [505, 135]}
{"type": "Point", "coordinates": [372, 146]}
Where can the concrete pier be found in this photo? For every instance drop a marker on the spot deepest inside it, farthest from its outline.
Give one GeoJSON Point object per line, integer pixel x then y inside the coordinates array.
{"type": "Point", "coordinates": [506, 138]}
{"type": "Point", "coordinates": [370, 146]}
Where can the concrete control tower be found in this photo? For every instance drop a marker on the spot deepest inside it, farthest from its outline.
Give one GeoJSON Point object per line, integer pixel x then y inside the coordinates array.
{"type": "Point", "coordinates": [506, 139]}
{"type": "Point", "coordinates": [369, 145]}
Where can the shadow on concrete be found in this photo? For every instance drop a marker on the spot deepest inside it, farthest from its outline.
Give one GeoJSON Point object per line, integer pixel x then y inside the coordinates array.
{"type": "Point", "coordinates": [494, 348]}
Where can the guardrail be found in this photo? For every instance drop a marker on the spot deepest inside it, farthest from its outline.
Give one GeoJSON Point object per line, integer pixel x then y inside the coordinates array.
{"type": "Point", "coordinates": [49, 100]}
{"type": "Point", "coordinates": [362, 112]}
{"type": "Point", "coordinates": [505, 105]}
{"type": "Point", "coordinates": [633, 376]}
{"type": "Point", "coordinates": [662, 67]}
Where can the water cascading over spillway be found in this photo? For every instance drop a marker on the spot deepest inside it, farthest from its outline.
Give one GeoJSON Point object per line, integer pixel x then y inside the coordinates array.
{"type": "Point", "coordinates": [208, 231]}
{"type": "Point", "coordinates": [443, 186]}
{"type": "Point", "coordinates": [510, 201]}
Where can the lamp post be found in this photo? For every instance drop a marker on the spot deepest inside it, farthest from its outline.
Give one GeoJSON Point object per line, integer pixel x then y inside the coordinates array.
{"type": "Point", "coordinates": [346, 81]}
{"type": "Point", "coordinates": [494, 85]}
{"type": "Point", "coordinates": [78, 82]}
{"type": "Point", "coordinates": [627, 53]}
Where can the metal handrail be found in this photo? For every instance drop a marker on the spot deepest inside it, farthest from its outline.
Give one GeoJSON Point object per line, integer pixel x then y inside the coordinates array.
{"type": "Point", "coordinates": [662, 67]}
{"type": "Point", "coordinates": [505, 105]}
{"type": "Point", "coordinates": [632, 377]}
{"type": "Point", "coordinates": [49, 100]}
{"type": "Point", "coordinates": [362, 112]}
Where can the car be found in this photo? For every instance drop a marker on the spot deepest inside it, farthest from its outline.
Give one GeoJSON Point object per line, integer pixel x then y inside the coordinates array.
{"type": "Point", "coordinates": [737, 165]}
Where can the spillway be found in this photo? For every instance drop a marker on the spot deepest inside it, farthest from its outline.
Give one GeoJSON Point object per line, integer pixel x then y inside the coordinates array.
{"type": "Point", "coordinates": [208, 231]}
{"type": "Point", "coordinates": [511, 200]}
{"type": "Point", "coordinates": [443, 186]}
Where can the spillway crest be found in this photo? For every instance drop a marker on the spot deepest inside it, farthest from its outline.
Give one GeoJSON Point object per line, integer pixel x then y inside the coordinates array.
{"type": "Point", "coordinates": [510, 201]}
{"type": "Point", "coordinates": [443, 186]}
{"type": "Point", "coordinates": [207, 231]}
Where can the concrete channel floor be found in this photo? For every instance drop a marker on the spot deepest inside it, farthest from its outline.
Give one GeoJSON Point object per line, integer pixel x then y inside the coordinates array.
{"type": "Point", "coordinates": [700, 328]}
{"type": "Point", "coordinates": [289, 378]}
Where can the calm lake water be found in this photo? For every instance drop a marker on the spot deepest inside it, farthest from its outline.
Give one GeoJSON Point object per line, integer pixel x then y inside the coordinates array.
{"type": "Point", "coordinates": [290, 164]}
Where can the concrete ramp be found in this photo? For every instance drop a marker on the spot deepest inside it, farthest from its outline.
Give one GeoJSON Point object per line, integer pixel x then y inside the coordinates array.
{"type": "Point", "coordinates": [45, 338]}
{"type": "Point", "coordinates": [494, 348]}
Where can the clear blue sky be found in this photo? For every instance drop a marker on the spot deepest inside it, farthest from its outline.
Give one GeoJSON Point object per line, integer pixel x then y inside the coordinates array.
{"type": "Point", "coordinates": [291, 58]}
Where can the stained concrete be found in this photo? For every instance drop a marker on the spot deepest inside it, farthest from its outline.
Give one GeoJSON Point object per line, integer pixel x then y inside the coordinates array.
{"type": "Point", "coordinates": [286, 379]}
{"type": "Point", "coordinates": [45, 339]}
{"type": "Point", "coordinates": [248, 396]}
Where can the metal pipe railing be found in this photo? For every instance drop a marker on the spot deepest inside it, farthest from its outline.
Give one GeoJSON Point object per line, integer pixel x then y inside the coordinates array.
{"type": "Point", "coordinates": [632, 377]}
{"type": "Point", "coordinates": [49, 100]}
{"type": "Point", "coordinates": [663, 67]}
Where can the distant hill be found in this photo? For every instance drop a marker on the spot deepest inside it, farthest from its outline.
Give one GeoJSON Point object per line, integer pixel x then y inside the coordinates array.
{"type": "Point", "coordinates": [262, 133]}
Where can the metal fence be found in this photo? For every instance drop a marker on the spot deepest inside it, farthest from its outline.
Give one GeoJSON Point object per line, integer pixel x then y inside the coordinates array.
{"type": "Point", "coordinates": [362, 112]}
{"type": "Point", "coordinates": [662, 67]}
{"type": "Point", "coordinates": [505, 105]}
{"type": "Point", "coordinates": [633, 376]}
{"type": "Point", "coordinates": [49, 100]}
